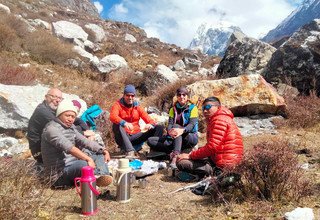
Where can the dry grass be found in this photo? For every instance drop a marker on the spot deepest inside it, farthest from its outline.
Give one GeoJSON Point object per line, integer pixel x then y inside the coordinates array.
{"type": "Point", "coordinates": [22, 196]}
{"type": "Point", "coordinates": [302, 111]}
{"type": "Point", "coordinates": [14, 75]}
{"type": "Point", "coordinates": [11, 32]}
{"type": "Point", "coordinates": [44, 47]}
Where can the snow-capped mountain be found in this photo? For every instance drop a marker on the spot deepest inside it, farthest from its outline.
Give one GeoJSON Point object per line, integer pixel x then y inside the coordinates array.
{"type": "Point", "coordinates": [213, 39]}
{"type": "Point", "coordinates": [305, 13]}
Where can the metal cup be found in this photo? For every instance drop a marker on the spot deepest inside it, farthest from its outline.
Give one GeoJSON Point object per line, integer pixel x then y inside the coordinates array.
{"type": "Point", "coordinates": [171, 172]}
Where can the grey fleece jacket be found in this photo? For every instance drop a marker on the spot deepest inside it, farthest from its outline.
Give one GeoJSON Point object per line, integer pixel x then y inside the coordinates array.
{"type": "Point", "coordinates": [56, 142]}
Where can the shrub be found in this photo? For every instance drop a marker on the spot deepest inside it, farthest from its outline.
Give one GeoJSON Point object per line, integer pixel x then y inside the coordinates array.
{"type": "Point", "coordinates": [12, 75]}
{"type": "Point", "coordinates": [302, 111]}
{"type": "Point", "coordinates": [9, 41]}
{"type": "Point", "coordinates": [270, 171]}
{"type": "Point", "coordinates": [44, 47]}
{"type": "Point", "coordinates": [15, 24]}
{"type": "Point", "coordinates": [21, 194]}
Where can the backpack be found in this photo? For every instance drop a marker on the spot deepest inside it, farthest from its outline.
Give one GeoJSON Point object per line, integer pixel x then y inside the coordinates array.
{"type": "Point", "coordinates": [90, 115]}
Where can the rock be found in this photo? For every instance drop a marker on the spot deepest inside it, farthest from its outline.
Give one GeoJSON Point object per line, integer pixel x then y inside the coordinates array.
{"type": "Point", "coordinates": [25, 65]}
{"type": "Point", "coordinates": [110, 63]}
{"type": "Point", "coordinates": [5, 8]}
{"type": "Point", "coordinates": [244, 55]}
{"type": "Point", "coordinates": [297, 61]}
{"type": "Point", "coordinates": [130, 38]}
{"type": "Point", "coordinates": [30, 28]}
{"type": "Point", "coordinates": [179, 65]}
{"type": "Point", "coordinates": [6, 142]}
{"type": "Point", "coordinates": [98, 32]}
{"type": "Point", "coordinates": [40, 23]}
{"type": "Point", "coordinates": [192, 62]}
{"type": "Point", "coordinates": [10, 146]}
{"type": "Point", "coordinates": [300, 213]}
{"type": "Point", "coordinates": [69, 30]}
{"type": "Point", "coordinates": [83, 7]}
{"type": "Point", "coordinates": [90, 46]}
{"type": "Point", "coordinates": [244, 95]}
{"type": "Point", "coordinates": [166, 73]}
{"type": "Point", "coordinates": [17, 104]}
{"type": "Point", "coordinates": [260, 125]}
{"type": "Point", "coordinates": [284, 89]}
{"type": "Point", "coordinates": [82, 52]}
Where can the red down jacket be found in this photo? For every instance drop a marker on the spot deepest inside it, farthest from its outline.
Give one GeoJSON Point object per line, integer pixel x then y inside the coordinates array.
{"type": "Point", "coordinates": [224, 141]}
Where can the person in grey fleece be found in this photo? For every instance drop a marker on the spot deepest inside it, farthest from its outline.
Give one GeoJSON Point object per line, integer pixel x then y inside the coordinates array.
{"type": "Point", "coordinates": [61, 147]}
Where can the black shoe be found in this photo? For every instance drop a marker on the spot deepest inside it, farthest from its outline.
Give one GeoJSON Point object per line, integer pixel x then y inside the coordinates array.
{"type": "Point", "coordinates": [155, 154]}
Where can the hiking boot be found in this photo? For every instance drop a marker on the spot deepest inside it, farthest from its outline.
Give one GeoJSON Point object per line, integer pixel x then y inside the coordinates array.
{"type": "Point", "coordinates": [173, 164]}
{"type": "Point", "coordinates": [131, 155]}
{"type": "Point", "coordinates": [173, 158]}
{"type": "Point", "coordinates": [104, 181]}
{"type": "Point", "coordinates": [186, 177]}
{"type": "Point", "coordinates": [154, 154]}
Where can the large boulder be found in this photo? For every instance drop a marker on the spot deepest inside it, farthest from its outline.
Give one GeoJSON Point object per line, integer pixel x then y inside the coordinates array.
{"type": "Point", "coordinates": [17, 104]}
{"type": "Point", "coordinates": [297, 61]}
{"type": "Point", "coordinates": [244, 95]}
{"type": "Point", "coordinates": [166, 73]}
{"type": "Point", "coordinates": [110, 63]}
{"type": "Point", "coordinates": [99, 34]}
{"type": "Point", "coordinates": [69, 30]}
{"type": "Point", "coordinates": [157, 78]}
{"type": "Point", "coordinates": [244, 55]}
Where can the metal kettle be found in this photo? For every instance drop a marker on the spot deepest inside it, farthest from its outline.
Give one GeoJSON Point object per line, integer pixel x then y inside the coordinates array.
{"type": "Point", "coordinates": [87, 191]}
{"type": "Point", "coordinates": [122, 180]}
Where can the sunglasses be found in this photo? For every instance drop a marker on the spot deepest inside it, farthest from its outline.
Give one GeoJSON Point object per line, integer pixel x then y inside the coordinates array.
{"type": "Point", "coordinates": [181, 94]}
{"type": "Point", "coordinates": [207, 107]}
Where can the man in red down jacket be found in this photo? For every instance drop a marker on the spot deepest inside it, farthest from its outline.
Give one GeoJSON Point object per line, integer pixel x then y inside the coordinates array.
{"type": "Point", "coordinates": [224, 147]}
{"type": "Point", "coordinates": [125, 115]}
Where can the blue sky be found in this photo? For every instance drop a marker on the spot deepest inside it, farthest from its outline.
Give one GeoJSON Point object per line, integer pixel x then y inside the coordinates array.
{"type": "Point", "coordinates": [176, 21]}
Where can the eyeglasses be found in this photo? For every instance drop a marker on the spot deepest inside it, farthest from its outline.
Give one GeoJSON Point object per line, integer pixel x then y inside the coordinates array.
{"type": "Point", "coordinates": [129, 95]}
{"type": "Point", "coordinates": [55, 97]}
{"type": "Point", "coordinates": [181, 94]}
{"type": "Point", "coordinates": [207, 107]}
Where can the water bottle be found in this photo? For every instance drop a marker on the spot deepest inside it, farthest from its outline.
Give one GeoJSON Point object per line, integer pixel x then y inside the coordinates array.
{"type": "Point", "coordinates": [87, 191]}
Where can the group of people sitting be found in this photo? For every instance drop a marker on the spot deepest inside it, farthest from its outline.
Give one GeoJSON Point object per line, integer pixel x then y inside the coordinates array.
{"type": "Point", "coordinates": [60, 141]}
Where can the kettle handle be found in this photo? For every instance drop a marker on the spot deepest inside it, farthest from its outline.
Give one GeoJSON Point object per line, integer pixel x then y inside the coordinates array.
{"type": "Point", "coordinates": [96, 192]}
{"type": "Point", "coordinates": [119, 180]}
{"type": "Point", "coordinates": [76, 180]}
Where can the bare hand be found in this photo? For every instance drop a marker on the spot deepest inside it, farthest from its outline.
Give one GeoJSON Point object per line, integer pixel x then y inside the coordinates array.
{"type": "Point", "coordinates": [128, 125]}
{"type": "Point", "coordinates": [172, 132]}
{"type": "Point", "coordinates": [106, 156]}
{"type": "Point", "coordinates": [176, 132]}
{"type": "Point", "coordinates": [183, 156]}
{"type": "Point", "coordinates": [91, 163]}
{"type": "Point", "coordinates": [88, 133]}
{"type": "Point", "coordinates": [179, 131]}
{"type": "Point", "coordinates": [92, 138]}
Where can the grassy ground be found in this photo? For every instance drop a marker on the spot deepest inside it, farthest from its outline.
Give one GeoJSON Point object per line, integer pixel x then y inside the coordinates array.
{"type": "Point", "coordinates": [155, 201]}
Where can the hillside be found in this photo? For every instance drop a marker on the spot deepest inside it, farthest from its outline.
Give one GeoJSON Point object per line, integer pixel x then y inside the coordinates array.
{"type": "Point", "coordinates": [21, 33]}
{"type": "Point", "coordinates": [65, 44]}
